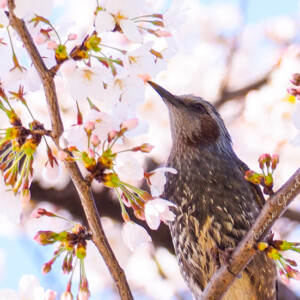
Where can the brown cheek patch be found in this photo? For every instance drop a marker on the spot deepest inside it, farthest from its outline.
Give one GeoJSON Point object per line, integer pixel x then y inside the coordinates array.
{"type": "Point", "coordinates": [209, 129]}
{"type": "Point", "coordinates": [207, 134]}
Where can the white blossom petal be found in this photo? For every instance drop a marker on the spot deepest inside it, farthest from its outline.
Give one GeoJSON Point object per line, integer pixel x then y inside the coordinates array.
{"type": "Point", "coordinates": [104, 123]}
{"type": "Point", "coordinates": [158, 210]}
{"type": "Point", "coordinates": [152, 216]}
{"type": "Point", "coordinates": [134, 235]}
{"type": "Point", "coordinates": [27, 285]}
{"type": "Point", "coordinates": [104, 22]}
{"type": "Point", "coordinates": [30, 7]}
{"type": "Point", "coordinates": [114, 6]}
{"type": "Point", "coordinates": [133, 8]}
{"type": "Point", "coordinates": [131, 31]}
{"type": "Point", "coordinates": [75, 136]}
{"type": "Point", "coordinates": [128, 167]}
{"type": "Point", "coordinates": [158, 180]}
{"type": "Point", "coordinates": [11, 80]}
{"type": "Point", "coordinates": [52, 174]}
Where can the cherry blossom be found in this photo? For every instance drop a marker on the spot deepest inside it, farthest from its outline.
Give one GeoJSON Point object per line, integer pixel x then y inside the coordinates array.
{"type": "Point", "coordinates": [124, 93]}
{"type": "Point", "coordinates": [30, 7]}
{"type": "Point", "coordinates": [66, 296]}
{"type": "Point", "coordinates": [50, 295]}
{"type": "Point", "coordinates": [29, 288]}
{"type": "Point", "coordinates": [12, 79]}
{"type": "Point", "coordinates": [157, 180]}
{"type": "Point", "coordinates": [157, 210]}
{"type": "Point", "coordinates": [84, 294]}
{"type": "Point", "coordinates": [77, 136]}
{"type": "Point", "coordinates": [84, 82]}
{"type": "Point", "coordinates": [141, 61]}
{"type": "Point", "coordinates": [134, 235]}
{"type": "Point", "coordinates": [128, 167]}
{"type": "Point", "coordinates": [104, 123]}
{"type": "Point", "coordinates": [175, 15]}
{"type": "Point", "coordinates": [120, 12]}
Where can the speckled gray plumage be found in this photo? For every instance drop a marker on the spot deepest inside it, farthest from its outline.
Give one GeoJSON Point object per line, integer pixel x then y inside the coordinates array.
{"type": "Point", "coordinates": [215, 204]}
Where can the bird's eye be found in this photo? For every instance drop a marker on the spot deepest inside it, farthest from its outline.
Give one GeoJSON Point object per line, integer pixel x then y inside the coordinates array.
{"type": "Point", "coordinates": [199, 108]}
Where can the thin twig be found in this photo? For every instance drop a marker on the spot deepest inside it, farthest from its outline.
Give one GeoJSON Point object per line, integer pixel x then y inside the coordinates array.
{"type": "Point", "coordinates": [82, 187]}
{"type": "Point", "coordinates": [245, 250]}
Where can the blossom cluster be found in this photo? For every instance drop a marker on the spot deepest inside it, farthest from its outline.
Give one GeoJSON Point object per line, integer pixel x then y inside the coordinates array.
{"type": "Point", "coordinates": [267, 164]}
{"type": "Point", "coordinates": [98, 144]}
{"type": "Point", "coordinates": [93, 70]}
{"type": "Point", "coordinates": [103, 73]}
{"type": "Point", "coordinates": [73, 244]}
{"type": "Point", "coordinates": [273, 249]}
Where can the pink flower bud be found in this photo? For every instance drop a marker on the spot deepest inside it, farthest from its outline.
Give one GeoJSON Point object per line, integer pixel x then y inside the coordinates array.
{"type": "Point", "coordinates": [39, 39]}
{"type": "Point", "coordinates": [295, 274]}
{"type": "Point", "coordinates": [264, 159]}
{"type": "Point", "coordinates": [50, 295]}
{"type": "Point", "coordinates": [64, 156]}
{"type": "Point", "coordinates": [111, 135]}
{"type": "Point", "coordinates": [72, 36]}
{"type": "Point", "coordinates": [84, 294]}
{"type": "Point", "coordinates": [66, 296]}
{"type": "Point", "coordinates": [291, 262]}
{"type": "Point", "coordinates": [285, 279]}
{"type": "Point", "coordinates": [89, 126]}
{"type": "Point", "coordinates": [296, 77]}
{"type": "Point", "coordinates": [95, 140]}
{"type": "Point", "coordinates": [40, 212]}
{"type": "Point", "coordinates": [146, 148]}
{"type": "Point", "coordinates": [46, 268]}
{"type": "Point", "coordinates": [91, 153]}
{"type": "Point", "coordinates": [52, 45]}
{"type": "Point", "coordinates": [274, 161]}
{"type": "Point", "coordinates": [293, 91]}
{"type": "Point", "coordinates": [125, 216]}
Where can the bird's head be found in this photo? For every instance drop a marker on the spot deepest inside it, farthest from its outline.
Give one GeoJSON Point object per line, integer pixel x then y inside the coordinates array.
{"type": "Point", "coordinates": [194, 121]}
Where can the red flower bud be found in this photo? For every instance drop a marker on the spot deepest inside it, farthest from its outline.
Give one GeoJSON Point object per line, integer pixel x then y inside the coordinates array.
{"type": "Point", "coordinates": [274, 161]}
{"type": "Point", "coordinates": [264, 159]}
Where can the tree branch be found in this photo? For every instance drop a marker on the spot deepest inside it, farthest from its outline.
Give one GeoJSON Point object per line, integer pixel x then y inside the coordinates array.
{"type": "Point", "coordinates": [227, 95]}
{"type": "Point", "coordinates": [292, 215]}
{"type": "Point", "coordinates": [245, 250]}
{"type": "Point", "coordinates": [82, 187]}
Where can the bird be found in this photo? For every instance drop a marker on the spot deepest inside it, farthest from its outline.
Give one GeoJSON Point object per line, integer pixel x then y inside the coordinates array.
{"type": "Point", "coordinates": [215, 204]}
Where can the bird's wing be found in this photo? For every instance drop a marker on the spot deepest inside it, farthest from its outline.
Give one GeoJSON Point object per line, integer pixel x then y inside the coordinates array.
{"type": "Point", "coordinates": [254, 187]}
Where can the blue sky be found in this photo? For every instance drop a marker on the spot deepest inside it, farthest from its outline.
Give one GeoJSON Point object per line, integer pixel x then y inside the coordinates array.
{"type": "Point", "coordinates": [258, 10]}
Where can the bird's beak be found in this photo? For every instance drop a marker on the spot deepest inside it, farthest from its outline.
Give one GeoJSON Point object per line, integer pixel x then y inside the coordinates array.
{"type": "Point", "coordinates": [165, 95]}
